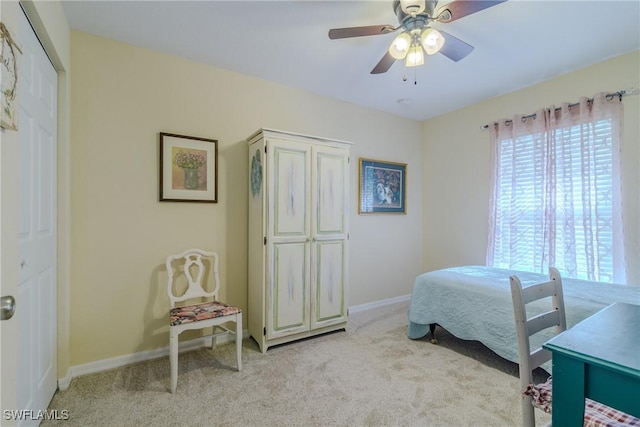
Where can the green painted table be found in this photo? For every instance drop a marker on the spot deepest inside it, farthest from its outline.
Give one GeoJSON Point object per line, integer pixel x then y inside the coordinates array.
{"type": "Point", "coordinates": [598, 358]}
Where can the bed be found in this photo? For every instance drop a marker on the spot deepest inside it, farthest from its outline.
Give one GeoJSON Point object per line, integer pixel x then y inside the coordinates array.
{"type": "Point", "coordinates": [474, 303]}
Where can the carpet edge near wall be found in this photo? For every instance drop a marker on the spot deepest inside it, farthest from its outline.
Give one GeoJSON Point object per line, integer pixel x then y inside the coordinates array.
{"type": "Point", "coordinates": [193, 344]}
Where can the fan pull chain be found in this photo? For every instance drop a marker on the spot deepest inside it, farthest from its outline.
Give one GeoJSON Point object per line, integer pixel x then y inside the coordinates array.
{"type": "Point", "coordinates": [415, 76]}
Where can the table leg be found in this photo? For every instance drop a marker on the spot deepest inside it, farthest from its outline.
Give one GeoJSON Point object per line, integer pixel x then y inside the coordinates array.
{"type": "Point", "coordinates": [568, 391]}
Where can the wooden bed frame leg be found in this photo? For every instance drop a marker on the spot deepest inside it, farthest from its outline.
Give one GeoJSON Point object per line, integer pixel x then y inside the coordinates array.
{"type": "Point", "coordinates": [432, 330]}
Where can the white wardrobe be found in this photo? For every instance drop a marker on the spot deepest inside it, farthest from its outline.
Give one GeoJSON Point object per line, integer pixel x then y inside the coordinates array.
{"type": "Point", "coordinates": [298, 236]}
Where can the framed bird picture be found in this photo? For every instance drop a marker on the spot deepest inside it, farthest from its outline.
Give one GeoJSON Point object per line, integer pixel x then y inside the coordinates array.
{"type": "Point", "coordinates": [383, 187]}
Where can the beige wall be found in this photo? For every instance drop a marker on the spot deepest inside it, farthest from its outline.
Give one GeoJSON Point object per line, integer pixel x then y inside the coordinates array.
{"type": "Point", "coordinates": [456, 167]}
{"type": "Point", "coordinates": [122, 97]}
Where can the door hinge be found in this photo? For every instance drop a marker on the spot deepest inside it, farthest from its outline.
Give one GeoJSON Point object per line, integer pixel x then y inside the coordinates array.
{"type": "Point", "coordinates": [265, 149]}
{"type": "Point", "coordinates": [264, 331]}
{"type": "Point", "coordinates": [265, 240]}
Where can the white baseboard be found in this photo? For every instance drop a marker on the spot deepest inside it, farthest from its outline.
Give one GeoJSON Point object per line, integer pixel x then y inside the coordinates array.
{"type": "Point", "coordinates": [378, 304]}
{"type": "Point", "coordinates": [119, 361]}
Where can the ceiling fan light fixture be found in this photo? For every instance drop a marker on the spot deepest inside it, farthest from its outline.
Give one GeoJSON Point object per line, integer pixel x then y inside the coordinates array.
{"type": "Point", "coordinates": [415, 56]}
{"type": "Point", "coordinates": [414, 18]}
{"type": "Point", "coordinates": [412, 7]}
{"type": "Point", "coordinates": [400, 46]}
{"type": "Point", "coordinates": [432, 40]}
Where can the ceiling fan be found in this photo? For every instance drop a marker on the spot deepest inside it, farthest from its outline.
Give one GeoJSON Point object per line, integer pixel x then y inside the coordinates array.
{"type": "Point", "coordinates": [417, 37]}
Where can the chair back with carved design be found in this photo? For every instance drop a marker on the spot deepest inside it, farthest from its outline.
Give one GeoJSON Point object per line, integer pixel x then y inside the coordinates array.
{"type": "Point", "coordinates": [194, 269]}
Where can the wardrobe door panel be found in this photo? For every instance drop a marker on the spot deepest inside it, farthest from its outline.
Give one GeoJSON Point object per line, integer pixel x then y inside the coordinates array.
{"type": "Point", "coordinates": [329, 281]}
{"type": "Point", "coordinates": [290, 306]}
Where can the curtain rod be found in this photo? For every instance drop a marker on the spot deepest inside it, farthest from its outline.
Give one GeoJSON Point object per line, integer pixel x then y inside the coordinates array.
{"type": "Point", "coordinates": [620, 94]}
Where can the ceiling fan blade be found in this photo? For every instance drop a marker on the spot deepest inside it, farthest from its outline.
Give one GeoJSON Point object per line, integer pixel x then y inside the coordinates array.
{"type": "Point", "coordinates": [370, 30]}
{"type": "Point", "coordinates": [385, 63]}
{"type": "Point", "coordinates": [454, 48]}
{"type": "Point", "coordinates": [461, 8]}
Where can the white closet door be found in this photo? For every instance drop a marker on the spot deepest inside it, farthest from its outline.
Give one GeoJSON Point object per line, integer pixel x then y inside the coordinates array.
{"type": "Point", "coordinates": [36, 295]}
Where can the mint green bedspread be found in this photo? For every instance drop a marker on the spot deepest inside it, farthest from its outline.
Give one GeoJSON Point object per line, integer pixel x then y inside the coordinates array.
{"type": "Point", "coordinates": [474, 303]}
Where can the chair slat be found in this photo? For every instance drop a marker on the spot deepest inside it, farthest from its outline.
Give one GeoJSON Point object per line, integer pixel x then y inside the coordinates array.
{"type": "Point", "coordinates": [543, 321]}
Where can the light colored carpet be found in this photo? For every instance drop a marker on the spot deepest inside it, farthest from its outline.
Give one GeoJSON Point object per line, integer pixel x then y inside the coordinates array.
{"type": "Point", "coordinates": [371, 375]}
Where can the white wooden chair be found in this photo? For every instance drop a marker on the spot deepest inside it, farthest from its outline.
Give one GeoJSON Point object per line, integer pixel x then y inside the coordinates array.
{"type": "Point", "coordinates": [211, 313]}
{"type": "Point", "coordinates": [526, 327]}
{"type": "Point", "coordinates": [596, 414]}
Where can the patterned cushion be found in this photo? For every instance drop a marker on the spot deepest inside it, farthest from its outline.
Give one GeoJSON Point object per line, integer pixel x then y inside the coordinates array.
{"type": "Point", "coordinates": [197, 312]}
{"type": "Point", "coordinates": [595, 414]}
{"type": "Point", "coordinates": [599, 415]}
{"type": "Point", "coordinates": [541, 395]}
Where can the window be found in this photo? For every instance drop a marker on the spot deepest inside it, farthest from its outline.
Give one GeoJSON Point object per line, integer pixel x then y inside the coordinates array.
{"type": "Point", "coordinates": [555, 198]}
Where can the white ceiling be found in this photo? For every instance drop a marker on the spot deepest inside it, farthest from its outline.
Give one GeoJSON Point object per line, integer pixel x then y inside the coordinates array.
{"type": "Point", "coordinates": [517, 44]}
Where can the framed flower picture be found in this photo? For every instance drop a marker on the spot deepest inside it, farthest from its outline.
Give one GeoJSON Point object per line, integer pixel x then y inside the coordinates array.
{"type": "Point", "coordinates": [188, 169]}
{"type": "Point", "coordinates": [383, 187]}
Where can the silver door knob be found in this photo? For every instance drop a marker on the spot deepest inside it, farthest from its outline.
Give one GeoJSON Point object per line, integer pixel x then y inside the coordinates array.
{"type": "Point", "coordinates": [7, 307]}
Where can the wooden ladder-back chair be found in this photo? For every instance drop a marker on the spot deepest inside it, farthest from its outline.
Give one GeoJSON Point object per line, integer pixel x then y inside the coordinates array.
{"type": "Point", "coordinates": [211, 313]}
{"type": "Point", "coordinates": [596, 414]}
{"type": "Point", "coordinates": [526, 327]}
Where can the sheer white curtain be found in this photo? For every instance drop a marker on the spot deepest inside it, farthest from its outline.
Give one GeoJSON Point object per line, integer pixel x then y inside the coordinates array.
{"type": "Point", "coordinates": [556, 191]}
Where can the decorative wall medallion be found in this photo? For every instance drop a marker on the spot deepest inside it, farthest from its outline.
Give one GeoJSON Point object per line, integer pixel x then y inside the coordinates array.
{"type": "Point", "coordinates": [256, 174]}
{"type": "Point", "coordinates": [9, 55]}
